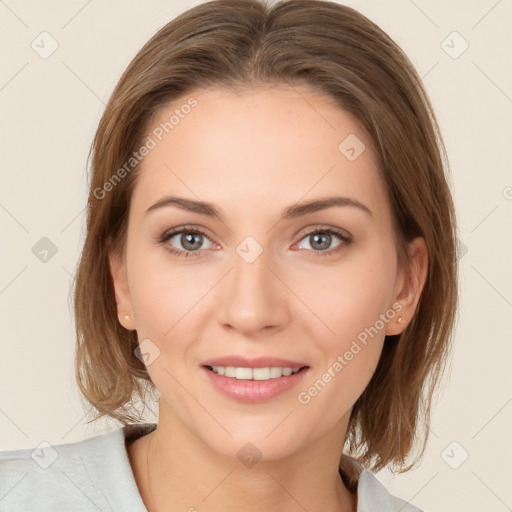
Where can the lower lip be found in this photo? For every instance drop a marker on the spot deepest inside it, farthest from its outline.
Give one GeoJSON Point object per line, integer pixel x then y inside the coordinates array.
{"type": "Point", "coordinates": [254, 391]}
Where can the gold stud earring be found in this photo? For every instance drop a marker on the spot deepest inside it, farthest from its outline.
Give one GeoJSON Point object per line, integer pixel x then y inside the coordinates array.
{"type": "Point", "coordinates": [400, 320]}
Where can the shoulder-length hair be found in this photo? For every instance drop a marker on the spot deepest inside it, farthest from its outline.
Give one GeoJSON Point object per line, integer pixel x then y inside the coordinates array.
{"type": "Point", "coordinates": [337, 51]}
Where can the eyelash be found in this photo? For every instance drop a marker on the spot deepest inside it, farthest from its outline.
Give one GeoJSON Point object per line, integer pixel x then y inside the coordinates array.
{"type": "Point", "coordinates": [345, 238]}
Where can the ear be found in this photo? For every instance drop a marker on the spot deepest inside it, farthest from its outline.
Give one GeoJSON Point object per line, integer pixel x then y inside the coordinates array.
{"type": "Point", "coordinates": [117, 264]}
{"type": "Point", "coordinates": [409, 285]}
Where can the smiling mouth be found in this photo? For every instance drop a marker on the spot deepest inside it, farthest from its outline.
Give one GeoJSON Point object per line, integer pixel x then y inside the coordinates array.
{"type": "Point", "coordinates": [267, 373]}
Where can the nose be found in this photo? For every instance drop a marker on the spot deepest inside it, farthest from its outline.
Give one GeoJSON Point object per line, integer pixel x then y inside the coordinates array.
{"type": "Point", "coordinates": [254, 298]}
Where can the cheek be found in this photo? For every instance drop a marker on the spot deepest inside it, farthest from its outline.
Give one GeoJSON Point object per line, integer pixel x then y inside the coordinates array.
{"type": "Point", "coordinates": [164, 292]}
{"type": "Point", "coordinates": [158, 305]}
{"type": "Point", "coordinates": [167, 300]}
{"type": "Point", "coordinates": [348, 298]}
{"type": "Point", "coordinates": [353, 302]}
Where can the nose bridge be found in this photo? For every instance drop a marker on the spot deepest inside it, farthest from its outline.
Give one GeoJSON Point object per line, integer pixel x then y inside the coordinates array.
{"type": "Point", "coordinates": [254, 297]}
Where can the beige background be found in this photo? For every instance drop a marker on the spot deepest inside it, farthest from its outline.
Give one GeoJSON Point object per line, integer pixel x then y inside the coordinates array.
{"type": "Point", "coordinates": [50, 109]}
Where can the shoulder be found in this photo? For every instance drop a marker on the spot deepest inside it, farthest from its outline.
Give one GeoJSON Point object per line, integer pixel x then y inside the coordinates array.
{"type": "Point", "coordinates": [372, 495]}
{"type": "Point", "coordinates": [85, 475]}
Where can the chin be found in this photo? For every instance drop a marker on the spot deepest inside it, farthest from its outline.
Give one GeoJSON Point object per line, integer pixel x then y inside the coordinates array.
{"type": "Point", "coordinates": [262, 440]}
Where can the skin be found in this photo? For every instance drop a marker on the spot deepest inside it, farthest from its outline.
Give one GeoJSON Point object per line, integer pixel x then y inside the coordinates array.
{"type": "Point", "coordinates": [253, 153]}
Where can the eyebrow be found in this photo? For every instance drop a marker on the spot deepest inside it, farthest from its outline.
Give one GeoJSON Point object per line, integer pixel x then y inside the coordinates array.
{"type": "Point", "coordinates": [291, 212]}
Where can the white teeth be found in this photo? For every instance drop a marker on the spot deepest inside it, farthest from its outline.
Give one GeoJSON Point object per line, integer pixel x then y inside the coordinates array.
{"type": "Point", "coordinates": [272, 372]}
{"type": "Point", "coordinates": [261, 373]}
{"type": "Point", "coordinates": [243, 373]}
{"type": "Point", "coordinates": [275, 372]}
{"type": "Point", "coordinates": [229, 371]}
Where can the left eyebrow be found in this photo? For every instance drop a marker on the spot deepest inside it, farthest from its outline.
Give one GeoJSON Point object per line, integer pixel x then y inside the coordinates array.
{"type": "Point", "coordinates": [301, 209]}
{"type": "Point", "coordinates": [291, 212]}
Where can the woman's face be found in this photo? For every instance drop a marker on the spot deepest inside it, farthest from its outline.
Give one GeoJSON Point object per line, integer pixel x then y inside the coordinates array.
{"type": "Point", "coordinates": [317, 287]}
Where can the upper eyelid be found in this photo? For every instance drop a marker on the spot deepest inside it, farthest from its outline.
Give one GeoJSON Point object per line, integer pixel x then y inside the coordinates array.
{"type": "Point", "coordinates": [336, 231]}
{"type": "Point", "coordinates": [169, 233]}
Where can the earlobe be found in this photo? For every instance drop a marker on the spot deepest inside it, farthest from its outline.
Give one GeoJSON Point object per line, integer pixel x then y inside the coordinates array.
{"type": "Point", "coordinates": [122, 293]}
{"type": "Point", "coordinates": [411, 285]}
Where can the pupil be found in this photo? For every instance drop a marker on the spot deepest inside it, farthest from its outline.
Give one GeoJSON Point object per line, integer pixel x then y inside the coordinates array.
{"type": "Point", "coordinates": [318, 236]}
{"type": "Point", "coordinates": [189, 238]}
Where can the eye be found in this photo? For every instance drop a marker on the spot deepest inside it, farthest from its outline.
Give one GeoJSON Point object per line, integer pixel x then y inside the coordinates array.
{"type": "Point", "coordinates": [190, 240]}
{"type": "Point", "coordinates": [320, 239]}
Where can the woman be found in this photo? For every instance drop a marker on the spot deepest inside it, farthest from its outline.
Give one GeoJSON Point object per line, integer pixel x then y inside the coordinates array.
{"type": "Point", "coordinates": [270, 249]}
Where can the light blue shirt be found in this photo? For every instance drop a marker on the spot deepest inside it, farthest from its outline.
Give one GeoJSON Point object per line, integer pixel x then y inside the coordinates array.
{"type": "Point", "coordinates": [95, 475]}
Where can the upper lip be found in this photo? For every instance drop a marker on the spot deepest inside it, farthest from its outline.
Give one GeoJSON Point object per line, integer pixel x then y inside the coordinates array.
{"type": "Point", "coordinates": [256, 362]}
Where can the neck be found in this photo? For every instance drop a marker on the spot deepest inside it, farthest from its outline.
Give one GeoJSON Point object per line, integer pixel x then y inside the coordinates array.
{"type": "Point", "coordinates": [175, 470]}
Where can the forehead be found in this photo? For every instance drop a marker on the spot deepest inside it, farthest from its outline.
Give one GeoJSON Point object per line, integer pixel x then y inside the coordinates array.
{"type": "Point", "coordinates": [277, 144]}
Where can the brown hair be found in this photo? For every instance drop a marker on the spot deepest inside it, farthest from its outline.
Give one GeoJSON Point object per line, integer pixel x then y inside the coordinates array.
{"type": "Point", "coordinates": [337, 51]}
